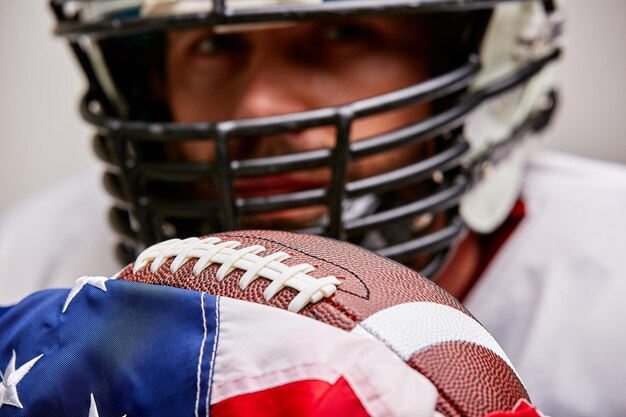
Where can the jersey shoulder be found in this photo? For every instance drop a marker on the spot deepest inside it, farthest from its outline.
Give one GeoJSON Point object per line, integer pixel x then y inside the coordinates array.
{"type": "Point", "coordinates": [54, 237]}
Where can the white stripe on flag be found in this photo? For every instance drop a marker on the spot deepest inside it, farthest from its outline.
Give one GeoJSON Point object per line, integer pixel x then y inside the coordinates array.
{"type": "Point", "coordinates": [262, 347]}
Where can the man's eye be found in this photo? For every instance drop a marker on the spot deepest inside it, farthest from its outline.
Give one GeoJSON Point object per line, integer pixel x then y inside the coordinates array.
{"type": "Point", "coordinates": [345, 33]}
{"type": "Point", "coordinates": [213, 45]}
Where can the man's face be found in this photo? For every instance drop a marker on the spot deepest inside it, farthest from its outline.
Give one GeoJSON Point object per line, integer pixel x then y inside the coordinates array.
{"type": "Point", "coordinates": [310, 65]}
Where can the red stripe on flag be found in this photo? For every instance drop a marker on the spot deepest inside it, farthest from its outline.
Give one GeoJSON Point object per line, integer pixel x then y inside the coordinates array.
{"type": "Point", "coordinates": [310, 398]}
{"type": "Point", "coordinates": [521, 409]}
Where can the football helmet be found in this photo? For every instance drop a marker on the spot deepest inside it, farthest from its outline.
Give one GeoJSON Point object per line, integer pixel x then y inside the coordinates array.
{"type": "Point", "coordinates": [491, 86]}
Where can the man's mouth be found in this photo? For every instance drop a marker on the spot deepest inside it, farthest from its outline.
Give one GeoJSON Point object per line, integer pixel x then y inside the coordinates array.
{"type": "Point", "coordinates": [274, 185]}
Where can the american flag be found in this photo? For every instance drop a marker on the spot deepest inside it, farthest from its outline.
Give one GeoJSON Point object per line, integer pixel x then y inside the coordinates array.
{"type": "Point", "coordinates": [109, 348]}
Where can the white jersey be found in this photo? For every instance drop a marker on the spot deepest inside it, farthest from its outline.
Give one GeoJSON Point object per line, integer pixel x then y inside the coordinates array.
{"type": "Point", "coordinates": [552, 296]}
{"type": "Point", "coordinates": [56, 237]}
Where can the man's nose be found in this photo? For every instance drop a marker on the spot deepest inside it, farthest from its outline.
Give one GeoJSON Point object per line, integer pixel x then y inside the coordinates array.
{"type": "Point", "coordinates": [273, 84]}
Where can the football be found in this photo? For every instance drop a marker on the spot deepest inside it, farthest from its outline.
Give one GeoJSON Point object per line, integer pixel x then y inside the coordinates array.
{"type": "Point", "coordinates": [353, 289]}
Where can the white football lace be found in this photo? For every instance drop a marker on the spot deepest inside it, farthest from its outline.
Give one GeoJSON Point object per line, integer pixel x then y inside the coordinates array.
{"type": "Point", "coordinates": [212, 250]}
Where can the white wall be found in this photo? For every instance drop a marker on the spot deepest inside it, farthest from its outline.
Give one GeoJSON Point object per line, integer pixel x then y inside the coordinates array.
{"type": "Point", "coordinates": [592, 119]}
{"type": "Point", "coordinates": [42, 139]}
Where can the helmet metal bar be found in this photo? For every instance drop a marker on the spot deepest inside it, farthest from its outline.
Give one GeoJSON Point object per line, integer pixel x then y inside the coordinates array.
{"type": "Point", "coordinates": [438, 87]}
{"type": "Point", "coordinates": [281, 163]}
{"type": "Point", "coordinates": [221, 15]}
{"type": "Point", "coordinates": [495, 153]}
{"type": "Point", "coordinates": [282, 201]}
{"type": "Point", "coordinates": [436, 264]}
{"type": "Point", "coordinates": [81, 56]}
{"type": "Point", "coordinates": [452, 117]}
{"type": "Point", "coordinates": [341, 159]}
{"type": "Point", "coordinates": [431, 242]}
{"type": "Point", "coordinates": [412, 134]}
{"type": "Point", "coordinates": [119, 218]}
{"type": "Point", "coordinates": [277, 124]}
{"type": "Point", "coordinates": [131, 190]}
{"type": "Point", "coordinates": [400, 177]}
{"type": "Point", "coordinates": [178, 171]}
{"type": "Point", "coordinates": [451, 82]}
{"type": "Point", "coordinates": [224, 180]}
{"type": "Point", "coordinates": [376, 184]}
{"type": "Point", "coordinates": [434, 203]}
{"type": "Point", "coordinates": [113, 185]}
{"type": "Point", "coordinates": [185, 209]}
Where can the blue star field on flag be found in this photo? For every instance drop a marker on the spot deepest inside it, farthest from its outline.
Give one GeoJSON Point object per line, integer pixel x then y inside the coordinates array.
{"type": "Point", "coordinates": [119, 349]}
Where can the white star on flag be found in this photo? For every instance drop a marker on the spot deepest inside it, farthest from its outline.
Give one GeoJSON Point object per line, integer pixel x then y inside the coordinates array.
{"type": "Point", "coordinates": [98, 282]}
{"type": "Point", "coordinates": [93, 408]}
{"type": "Point", "coordinates": [10, 379]}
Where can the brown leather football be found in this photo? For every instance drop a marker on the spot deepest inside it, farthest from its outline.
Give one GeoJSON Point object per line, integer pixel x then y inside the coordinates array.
{"type": "Point", "coordinates": [353, 289]}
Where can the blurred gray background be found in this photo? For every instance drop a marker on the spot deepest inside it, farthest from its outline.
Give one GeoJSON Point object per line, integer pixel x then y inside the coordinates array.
{"type": "Point", "coordinates": [43, 140]}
